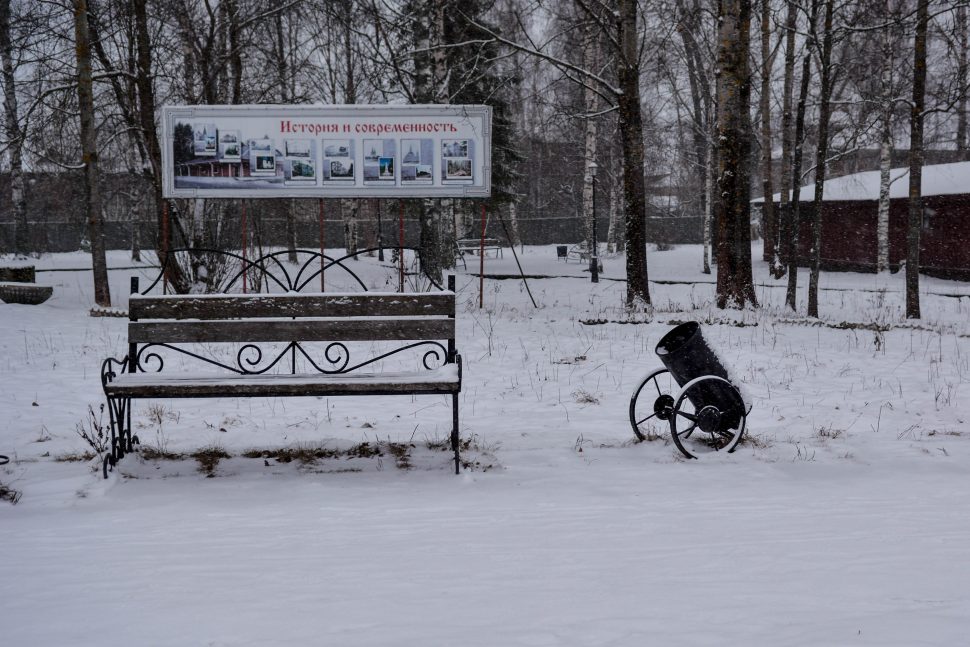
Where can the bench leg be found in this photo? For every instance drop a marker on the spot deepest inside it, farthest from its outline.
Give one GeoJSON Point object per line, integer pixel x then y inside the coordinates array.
{"type": "Point", "coordinates": [119, 414]}
{"type": "Point", "coordinates": [454, 431]}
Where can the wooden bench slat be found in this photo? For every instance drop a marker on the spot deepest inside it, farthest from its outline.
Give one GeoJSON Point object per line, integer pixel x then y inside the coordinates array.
{"type": "Point", "coordinates": [291, 305]}
{"type": "Point", "coordinates": [160, 385]}
{"type": "Point", "coordinates": [265, 330]}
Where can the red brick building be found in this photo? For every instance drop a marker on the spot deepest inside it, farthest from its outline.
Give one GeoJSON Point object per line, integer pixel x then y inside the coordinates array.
{"type": "Point", "coordinates": [849, 214]}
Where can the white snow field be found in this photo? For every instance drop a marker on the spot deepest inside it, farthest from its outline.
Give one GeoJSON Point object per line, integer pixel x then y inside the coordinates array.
{"type": "Point", "coordinates": [844, 519]}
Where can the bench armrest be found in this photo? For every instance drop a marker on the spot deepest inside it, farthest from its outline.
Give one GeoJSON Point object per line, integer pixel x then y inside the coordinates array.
{"type": "Point", "coordinates": [108, 372]}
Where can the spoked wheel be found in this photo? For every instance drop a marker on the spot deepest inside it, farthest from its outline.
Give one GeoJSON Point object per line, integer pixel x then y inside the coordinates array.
{"type": "Point", "coordinates": [653, 401]}
{"type": "Point", "coordinates": [708, 416]}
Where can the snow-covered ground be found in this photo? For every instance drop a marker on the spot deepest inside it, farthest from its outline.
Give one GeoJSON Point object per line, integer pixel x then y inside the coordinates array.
{"type": "Point", "coordinates": [844, 520]}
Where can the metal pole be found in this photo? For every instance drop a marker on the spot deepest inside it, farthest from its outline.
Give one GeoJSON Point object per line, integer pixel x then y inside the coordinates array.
{"type": "Point", "coordinates": [244, 244]}
{"type": "Point", "coordinates": [516, 256]}
{"type": "Point", "coordinates": [400, 244]}
{"type": "Point", "coordinates": [323, 260]}
{"type": "Point", "coordinates": [481, 264]}
{"type": "Point", "coordinates": [593, 258]}
{"type": "Point", "coordinates": [164, 259]}
{"type": "Point", "coordinates": [380, 234]}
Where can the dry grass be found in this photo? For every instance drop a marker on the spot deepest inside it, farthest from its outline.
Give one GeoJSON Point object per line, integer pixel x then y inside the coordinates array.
{"type": "Point", "coordinates": [209, 458]}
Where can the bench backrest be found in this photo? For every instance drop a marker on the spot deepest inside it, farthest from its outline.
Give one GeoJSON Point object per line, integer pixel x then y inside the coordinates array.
{"type": "Point", "coordinates": [324, 317]}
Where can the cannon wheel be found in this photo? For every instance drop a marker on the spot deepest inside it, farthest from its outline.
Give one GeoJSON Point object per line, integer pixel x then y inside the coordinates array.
{"type": "Point", "coordinates": [644, 407]}
{"type": "Point", "coordinates": [704, 421]}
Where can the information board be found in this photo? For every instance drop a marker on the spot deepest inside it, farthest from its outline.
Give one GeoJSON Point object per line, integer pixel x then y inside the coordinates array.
{"type": "Point", "coordinates": [352, 151]}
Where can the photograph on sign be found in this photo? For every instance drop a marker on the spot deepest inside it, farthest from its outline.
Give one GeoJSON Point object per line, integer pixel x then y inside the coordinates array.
{"type": "Point", "coordinates": [319, 151]}
{"type": "Point", "coordinates": [338, 160]}
{"type": "Point", "coordinates": [416, 161]}
{"type": "Point", "coordinates": [262, 157]}
{"type": "Point", "coordinates": [379, 161]}
{"type": "Point", "coordinates": [456, 161]}
{"type": "Point", "coordinates": [300, 166]}
{"type": "Point", "coordinates": [230, 147]}
{"type": "Point", "coordinates": [205, 139]}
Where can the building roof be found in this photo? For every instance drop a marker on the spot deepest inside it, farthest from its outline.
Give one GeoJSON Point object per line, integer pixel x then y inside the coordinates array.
{"type": "Point", "coordinates": [938, 179]}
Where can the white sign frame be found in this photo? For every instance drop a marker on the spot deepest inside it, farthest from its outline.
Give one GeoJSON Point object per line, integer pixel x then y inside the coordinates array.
{"type": "Point", "coordinates": [456, 163]}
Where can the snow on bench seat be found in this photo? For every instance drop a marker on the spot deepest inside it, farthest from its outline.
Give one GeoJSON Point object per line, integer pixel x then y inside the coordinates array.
{"type": "Point", "coordinates": [187, 385]}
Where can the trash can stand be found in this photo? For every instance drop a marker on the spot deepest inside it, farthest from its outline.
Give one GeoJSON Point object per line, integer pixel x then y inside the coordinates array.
{"type": "Point", "coordinates": [692, 394]}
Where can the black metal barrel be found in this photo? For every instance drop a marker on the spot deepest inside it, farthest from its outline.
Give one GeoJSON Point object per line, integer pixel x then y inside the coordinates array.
{"type": "Point", "coordinates": [687, 356]}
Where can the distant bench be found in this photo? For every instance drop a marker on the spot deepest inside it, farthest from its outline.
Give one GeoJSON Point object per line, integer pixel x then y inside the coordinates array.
{"type": "Point", "coordinates": [474, 246]}
{"type": "Point", "coordinates": [161, 324]}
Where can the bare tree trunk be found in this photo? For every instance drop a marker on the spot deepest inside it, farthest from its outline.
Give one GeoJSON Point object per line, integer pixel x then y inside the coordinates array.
{"type": "Point", "coordinates": [348, 209]}
{"type": "Point", "coordinates": [885, 166]}
{"type": "Point", "coordinates": [735, 285]}
{"type": "Point", "coordinates": [612, 244]}
{"type": "Point", "coordinates": [18, 197]}
{"type": "Point", "coordinates": [699, 119]}
{"type": "Point", "coordinates": [146, 116]}
{"type": "Point", "coordinates": [799, 141]}
{"type": "Point", "coordinates": [591, 105]}
{"type": "Point", "coordinates": [769, 218]}
{"type": "Point", "coordinates": [514, 222]}
{"type": "Point", "coordinates": [136, 230]}
{"type": "Point", "coordinates": [960, 25]}
{"type": "Point", "coordinates": [887, 101]}
{"type": "Point", "coordinates": [825, 99]}
{"type": "Point", "coordinates": [708, 208]}
{"type": "Point", "coordinates": [916, 161]}
{"type": "Point", "coordinates": [784, 247]}
{"type": "Point", "coordinates": [235, 50]}
{"type": "Point", "coordinates": [634, 188]}
{"type": "Point", "coordinates": [282, 74]}
{"type": "Point", "coordinates": [89, 153]}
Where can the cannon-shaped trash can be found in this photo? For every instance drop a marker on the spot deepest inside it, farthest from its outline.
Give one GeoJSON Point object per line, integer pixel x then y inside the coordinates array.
{"type": "Point", "coordinates": [692, 393]}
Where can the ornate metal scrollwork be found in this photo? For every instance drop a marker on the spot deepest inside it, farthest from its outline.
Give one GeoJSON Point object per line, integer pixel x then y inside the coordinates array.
{"type": "Point", "coordinates": [335, 359]}
{"type": "Point", "coordinates": [271, 273]}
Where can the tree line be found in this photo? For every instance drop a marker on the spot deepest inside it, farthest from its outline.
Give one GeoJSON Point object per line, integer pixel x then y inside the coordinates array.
{"type": "Point", "coordinates": [715, 102]}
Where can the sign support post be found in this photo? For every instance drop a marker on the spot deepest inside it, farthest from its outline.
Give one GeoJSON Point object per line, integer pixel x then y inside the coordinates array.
{"type": "Point", "coordinates": [400, 244]}
{"type": "Point", "coordinates": [481, 264]}
{"type": "Point", "coordinates": [323, 257]}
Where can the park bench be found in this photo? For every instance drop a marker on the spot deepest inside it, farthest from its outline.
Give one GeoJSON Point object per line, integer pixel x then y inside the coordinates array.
{"type": "Point", "coordinates": [284, 345]}
{"type": "Point", "coordinates": [474, 246]}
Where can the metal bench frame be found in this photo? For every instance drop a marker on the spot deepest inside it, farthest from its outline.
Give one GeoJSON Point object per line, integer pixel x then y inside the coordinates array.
{"type": "Point", "coordinates": [163, 324]}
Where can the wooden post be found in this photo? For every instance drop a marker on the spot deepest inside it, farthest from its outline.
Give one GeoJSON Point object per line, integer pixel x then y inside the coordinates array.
{"type": "Point", "coordinates": [481, 264]}
{"type": "Point", "coordinates": [400, 244]}
{"type": "Point", "coordinates": [323, 261]}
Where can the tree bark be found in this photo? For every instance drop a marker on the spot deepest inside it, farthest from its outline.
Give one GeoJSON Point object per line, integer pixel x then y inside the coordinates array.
{"type": "Point", "coordinates": [885, 166]}
{"type": "Point", "coordinates": [700, 117]}
{"type": "Point", "coordinates": [591, 105]}
{"type": "Point", "coordinates": [634, 188]}
{"type": "Point", "coordinates": [735, 285]}
{"type": "Point", "coordinates": [916, 161]}
{"type": "Point", "coordinates": [825, 99]}
{"type": "Point", "coordinates": [89, 153]}
{"type": "Point", "coordinates": [960, 25]}
{"type": "Point", "coordinates": [146, 117]}
{"type": "Point", "coordinates": [13, 135]}
{"type": "Point", "coordinates": [769, 218]}
{"type": "Point", "coordinates": [799, 141]}
{"type": "Point", "coordinates": [784, 247]}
